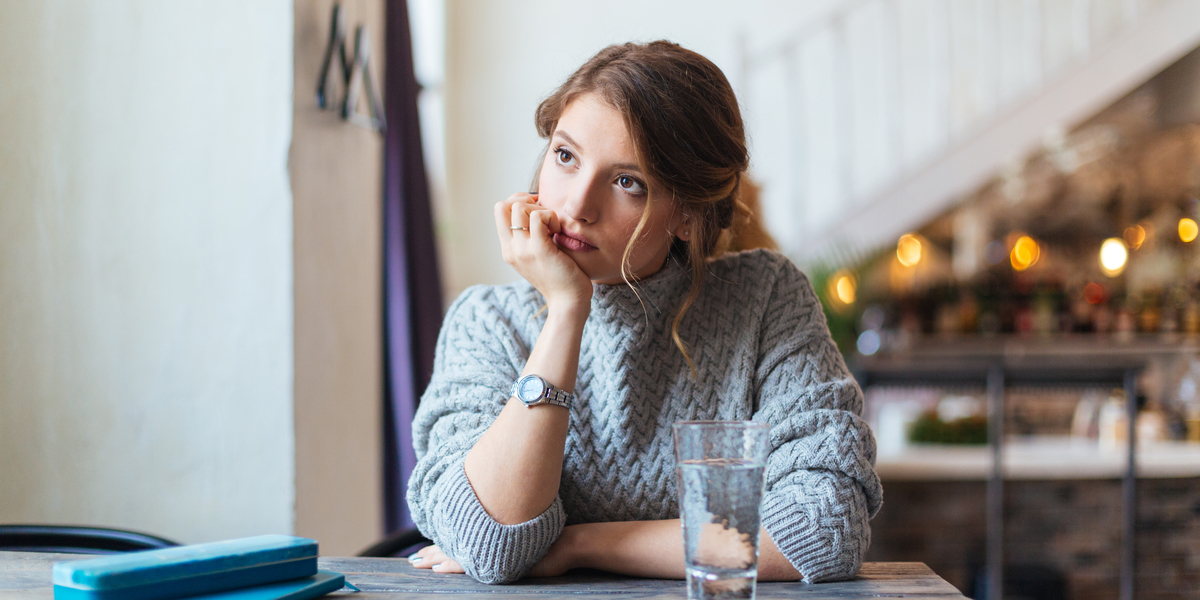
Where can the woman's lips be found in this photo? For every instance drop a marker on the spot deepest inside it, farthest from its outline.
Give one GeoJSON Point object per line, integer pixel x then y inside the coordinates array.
{"type": "Point", "coordinates": [572, 243]}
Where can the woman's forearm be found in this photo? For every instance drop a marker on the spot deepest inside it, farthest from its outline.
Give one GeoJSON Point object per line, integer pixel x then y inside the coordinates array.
{"type": "Point", "coordinates": [653, 549]}
{"type": "Point", "coordinates": [516, 466]}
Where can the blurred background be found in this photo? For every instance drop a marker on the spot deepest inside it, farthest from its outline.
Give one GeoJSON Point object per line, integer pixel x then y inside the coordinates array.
{"type": "Point", "coordinates": [217, 297]}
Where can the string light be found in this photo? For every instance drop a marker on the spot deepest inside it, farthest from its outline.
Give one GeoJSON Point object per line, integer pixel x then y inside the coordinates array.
{"type": "Point", "coordinates": [1188, 229]}
{"type": "Point", "coordinates": [908, 250]}
{"type": "Point", "coordinates": [1135, 236]}
{"type": "Point", "coordinates": [843, 287]}
{"type": "Point", "coordinates": [1113, 255]}
{"type": "Point", "coordinates": [1025, 252]}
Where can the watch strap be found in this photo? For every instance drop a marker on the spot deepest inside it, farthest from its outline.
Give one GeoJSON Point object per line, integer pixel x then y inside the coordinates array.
{"type": "Point", "coordinates": [550, 394]}
{"type": "Point", "coordinates": [556, 397]}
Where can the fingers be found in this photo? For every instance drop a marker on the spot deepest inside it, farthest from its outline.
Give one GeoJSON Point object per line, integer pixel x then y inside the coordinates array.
{"type": "Point", "coordinates": [504, 217]}
{"type": "Point", "coordinates": [504, 211]}
{"type": "Point", "coordinates": [448, 566]}
{"type": "Point", "coordinates": [500, 211]}
{"type": "Point", "coordinates": [522, 215]}
{"type": "Point", "coordinates": [432, 557]}
{"type": "Point", "coordinates": [543, 223]}
{"type": "Point", "coordinates": [520, 219]}
{"type": "Point", "coordinates": [512, 216]}
{"type": "Point", "coordinates": [519, 215]}
{"type": "Point", "coordinates": [428, 556]}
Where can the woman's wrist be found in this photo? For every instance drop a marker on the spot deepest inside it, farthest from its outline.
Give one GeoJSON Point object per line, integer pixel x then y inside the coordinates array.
{"type": "Point", "coordinates": [579, 546]}
{"type": "Point", "coordinates": [638, 548]}
{"type": "Point", "coordinates": [570, 310]}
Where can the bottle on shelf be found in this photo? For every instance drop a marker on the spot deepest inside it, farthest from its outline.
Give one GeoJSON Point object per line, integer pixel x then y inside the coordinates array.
{"type": "Point", "coordinates": [1112, 421]}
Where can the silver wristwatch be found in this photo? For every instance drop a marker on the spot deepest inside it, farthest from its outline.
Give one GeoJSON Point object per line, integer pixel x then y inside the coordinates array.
{"type": "Point", "coordinates": [533, 390]}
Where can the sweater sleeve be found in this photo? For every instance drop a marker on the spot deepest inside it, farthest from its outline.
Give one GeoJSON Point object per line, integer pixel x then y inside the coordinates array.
{"type": "Point", "coordinates": [821, 487]}
{"type": "Point", "coordinates": [479, 355]}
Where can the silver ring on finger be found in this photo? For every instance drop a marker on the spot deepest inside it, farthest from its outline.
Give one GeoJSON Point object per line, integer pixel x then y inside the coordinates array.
{"type": "Point", "coordinates": [519, 228]}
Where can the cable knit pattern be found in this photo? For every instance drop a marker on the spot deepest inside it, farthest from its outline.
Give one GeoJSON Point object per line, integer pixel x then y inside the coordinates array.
{"type": "Point", "coordinates": [762, 351]}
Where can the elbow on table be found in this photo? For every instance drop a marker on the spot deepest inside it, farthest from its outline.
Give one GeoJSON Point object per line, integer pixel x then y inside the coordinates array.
{"type": "Point", "coordinates": [496, 569]}
{"type": "Point", "coordinates": [824, 533]}
{"type": "Point", "coordinates": [493, 577]}
{"type": "Point", "coordinates": [844, 567]}
{"type": "Point", "coordinates": [492, 553]}
{"type": "Point", "coordinates": [489, 551]}
{"type": "Point", "coordinates": [841, 559]}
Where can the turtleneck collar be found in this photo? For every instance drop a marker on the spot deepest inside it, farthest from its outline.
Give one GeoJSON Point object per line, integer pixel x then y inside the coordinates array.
{"type": "Point", "coordinates": [658, 292]}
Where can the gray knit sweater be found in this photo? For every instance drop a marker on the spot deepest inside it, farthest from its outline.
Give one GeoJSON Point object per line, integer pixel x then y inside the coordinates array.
{"type": "Point", "coordinates": [762, 351]}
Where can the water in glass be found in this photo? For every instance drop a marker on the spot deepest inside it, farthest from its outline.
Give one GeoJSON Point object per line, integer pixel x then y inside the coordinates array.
{"type": "Point", "coordinates": [720, 512]}
{"type": "Point", "coordinates": [720, 467]}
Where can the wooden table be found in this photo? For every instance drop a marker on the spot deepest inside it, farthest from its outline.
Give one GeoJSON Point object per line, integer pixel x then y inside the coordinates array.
{"type": "Point", "coordinates": [27, 575]}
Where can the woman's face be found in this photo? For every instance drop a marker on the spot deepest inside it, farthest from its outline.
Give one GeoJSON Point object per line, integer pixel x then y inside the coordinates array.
{"type": "Point", "coordinates": [592, 180]}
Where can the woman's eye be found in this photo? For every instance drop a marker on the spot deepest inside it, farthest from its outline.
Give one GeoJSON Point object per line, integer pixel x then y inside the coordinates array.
{"type": "Point", "coordinates": [564, 156]}
{"type": "Point", "coordinates": [630, 185]}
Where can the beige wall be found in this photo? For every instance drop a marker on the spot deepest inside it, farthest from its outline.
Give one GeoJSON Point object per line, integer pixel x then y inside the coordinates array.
{"type": "Point", "coordinates": [337, 186]}
{"type": "Point", "coordinates": [146, 266]}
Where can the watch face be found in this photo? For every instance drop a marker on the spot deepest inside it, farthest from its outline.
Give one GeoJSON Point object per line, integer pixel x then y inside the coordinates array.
{"type": "Point", "coordinates": [530, 389]}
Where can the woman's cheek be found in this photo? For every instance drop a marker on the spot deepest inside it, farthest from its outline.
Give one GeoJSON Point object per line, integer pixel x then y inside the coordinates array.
{"type": "Point", "coordinates": [549, 192]}
{"type": "Point", "coordinates": [548, 176]}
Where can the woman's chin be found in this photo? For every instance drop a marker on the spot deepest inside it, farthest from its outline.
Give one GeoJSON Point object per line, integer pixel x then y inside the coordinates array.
{"type": "Point", "coordinates": [603, 276]}
{"type": "Point", "coordinates": [609, 278]}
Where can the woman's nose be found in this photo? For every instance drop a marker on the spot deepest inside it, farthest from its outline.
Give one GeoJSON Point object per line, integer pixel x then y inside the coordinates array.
{"type": "Point", "coordinates": [583, 202]}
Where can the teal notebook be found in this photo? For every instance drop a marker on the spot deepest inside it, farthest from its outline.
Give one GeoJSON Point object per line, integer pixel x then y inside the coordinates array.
{"type": "Point", "coordinates": [187, 570]}
{"type": "Point", "coordinates": [316, 586]}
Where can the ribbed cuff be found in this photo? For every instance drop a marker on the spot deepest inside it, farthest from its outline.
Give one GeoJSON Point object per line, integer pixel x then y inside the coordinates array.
{"type": "Point", "coordinates": [489, 551]}
{"type": "Point", "coordinates": [814, 551]}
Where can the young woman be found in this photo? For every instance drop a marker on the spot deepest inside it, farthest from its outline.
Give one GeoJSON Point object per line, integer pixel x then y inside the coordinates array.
{"type": "Point", "coordinates": [632, 317]}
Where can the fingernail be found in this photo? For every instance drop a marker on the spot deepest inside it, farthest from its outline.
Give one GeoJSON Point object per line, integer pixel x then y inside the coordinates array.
{"type": "Point", "coordinates": [437, 567]}
{"type": "Point", "coordinates": [415, 559]}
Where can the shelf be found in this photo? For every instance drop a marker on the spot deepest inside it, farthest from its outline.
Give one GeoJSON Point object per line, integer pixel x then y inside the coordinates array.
{"type": "Point", "coordinates": [1063, 359]}
{"type": "Point", "coordinates": [1046, 458]}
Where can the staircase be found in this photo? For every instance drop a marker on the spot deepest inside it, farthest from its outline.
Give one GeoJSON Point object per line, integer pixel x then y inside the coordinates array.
{"type": "Point", "coordinates": [871, 120]}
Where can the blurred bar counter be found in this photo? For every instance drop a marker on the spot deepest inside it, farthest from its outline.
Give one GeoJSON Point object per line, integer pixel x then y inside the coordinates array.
{"type": "Point", "coordinates": [1066, 512]}
{"type": "Point", "coordinates": [1051, 360]}
{"type": "Point", "coordinates": [1038, 458]}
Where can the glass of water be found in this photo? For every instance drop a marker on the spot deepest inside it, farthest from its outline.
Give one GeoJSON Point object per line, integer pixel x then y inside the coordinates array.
{"type": "Point", "coordinates": [720, 465]}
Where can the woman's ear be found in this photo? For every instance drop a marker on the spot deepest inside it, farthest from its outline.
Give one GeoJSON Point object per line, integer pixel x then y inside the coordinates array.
{"type": "Point", "coordinates": [683, 229]}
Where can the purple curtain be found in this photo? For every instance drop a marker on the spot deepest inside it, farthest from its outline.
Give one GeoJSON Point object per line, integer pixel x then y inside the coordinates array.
{"type": "Point", "coordinates": [412, 289]}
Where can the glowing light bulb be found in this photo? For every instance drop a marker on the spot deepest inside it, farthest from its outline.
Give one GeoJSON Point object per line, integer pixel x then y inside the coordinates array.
{"type": "Point", "coordinates": [1113, 255]}
{"type": "Point", "coordinates": [1188, 229]}
{"type": "Point", "coordinates": [908, 250]}
{"type": "Point", "coordinates": [846, 290]}
{"type": "Point", "coordinates": [1025, 252]}
{"type": "Point", "coordinates": [843, 287]}
{"type": "Point", "coordinates": [1135, 236]}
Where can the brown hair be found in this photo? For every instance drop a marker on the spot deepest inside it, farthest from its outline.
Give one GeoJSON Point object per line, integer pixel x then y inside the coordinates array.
{"type": "Point", "coordinates": [688, 134]}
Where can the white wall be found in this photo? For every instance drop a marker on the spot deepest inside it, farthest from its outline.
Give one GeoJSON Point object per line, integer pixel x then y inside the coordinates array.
{"type": "Point", "coordinates": [145, 266]}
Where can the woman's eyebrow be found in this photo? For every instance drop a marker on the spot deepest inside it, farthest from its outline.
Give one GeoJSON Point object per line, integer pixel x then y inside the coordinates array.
{"type": "Point", "coordinates": [567, 137]}
{"type": "Point", "coordinates": [570, 140]}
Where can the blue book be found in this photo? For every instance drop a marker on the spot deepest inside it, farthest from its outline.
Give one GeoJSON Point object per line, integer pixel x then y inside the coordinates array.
{"type": "Point", "coordinates": [187, 570]}
{"type": "Point", "coordinates": [316, 586]}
